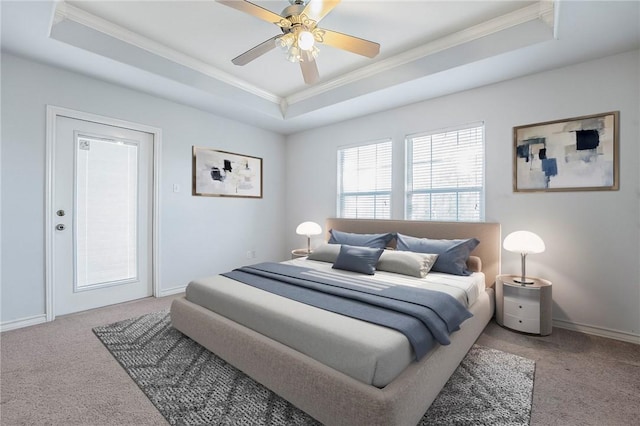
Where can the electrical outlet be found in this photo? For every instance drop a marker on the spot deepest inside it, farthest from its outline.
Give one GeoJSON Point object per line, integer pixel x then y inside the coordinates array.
{"type": "Point", "coordinates": [176, 187]}
{"type": "Point", "coordinates": [251, 254]}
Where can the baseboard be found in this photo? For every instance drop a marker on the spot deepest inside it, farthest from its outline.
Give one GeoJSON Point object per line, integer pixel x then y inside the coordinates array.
{"type": "Point", "coordinates": [23, 322]}
{"type": "Point", "coordinates": [171, 291]}
{"type": "Point", "coordinates": [39, 319]}
{"type": "Point", "coordinates": [598, 331]}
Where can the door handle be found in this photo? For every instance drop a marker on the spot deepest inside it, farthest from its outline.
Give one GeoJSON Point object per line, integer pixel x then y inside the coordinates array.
{"type": "Point", "coordinates": [60, 227]}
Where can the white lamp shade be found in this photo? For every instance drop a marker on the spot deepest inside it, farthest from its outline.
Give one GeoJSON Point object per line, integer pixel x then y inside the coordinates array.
{"type": "Point", "coordinates": [523, 242]}
{"type": "Point", "coordinates": [308, 228]}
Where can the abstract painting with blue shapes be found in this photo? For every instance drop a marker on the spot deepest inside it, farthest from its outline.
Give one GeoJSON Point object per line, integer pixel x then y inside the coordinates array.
{"type": "Point", "coordinates": [564, 155]}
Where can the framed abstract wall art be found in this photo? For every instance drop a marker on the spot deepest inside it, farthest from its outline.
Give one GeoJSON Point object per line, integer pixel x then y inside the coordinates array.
{"type": "Point", "coordinates": [575, 154]}
{"type": "Point", "coordinates": [225, 174]}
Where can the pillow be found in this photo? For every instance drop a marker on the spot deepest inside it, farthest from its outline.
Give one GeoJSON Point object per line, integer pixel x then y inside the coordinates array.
{"type": "Point", "coordinates": [453, 254]}
{"type": "Point", "coordinates": [358, 259]}
{"type": "Point", "coordinates": [360, 240]}
{"type": "Point", "coordinates": [325, 253]}
{"type": "Point", "coordinates": [474, 264]}
{"type": "Point", "coordinates": [406, 263]}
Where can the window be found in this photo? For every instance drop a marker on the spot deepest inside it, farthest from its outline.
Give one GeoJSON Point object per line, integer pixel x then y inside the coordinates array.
{"type": "Point", "coordinates": [445, 175]}
{"type": "Point", "coordinates": [364, 181]}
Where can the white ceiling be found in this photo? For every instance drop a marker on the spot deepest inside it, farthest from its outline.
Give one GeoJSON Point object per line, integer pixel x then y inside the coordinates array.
{"type": "Point", "coordinates": [182, 50]}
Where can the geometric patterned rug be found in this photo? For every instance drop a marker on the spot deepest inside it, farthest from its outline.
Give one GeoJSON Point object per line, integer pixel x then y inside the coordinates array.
{"type": "Point", "coordinates": [191, 386]}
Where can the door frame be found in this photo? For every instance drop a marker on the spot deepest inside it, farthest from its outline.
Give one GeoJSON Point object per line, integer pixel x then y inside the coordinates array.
{"type": "Point", "coordinates": [53, 112]}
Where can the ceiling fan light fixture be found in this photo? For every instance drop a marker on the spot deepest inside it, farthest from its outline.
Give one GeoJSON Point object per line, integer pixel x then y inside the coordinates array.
{"type": "Point", "coordinates": [299, 45]}
{"type": "Point", "coordinates": [306, 40]}
{"type": "Point", "coordinates": [285, 42]}
{"type": "Point", "coordinates": [293, 54]}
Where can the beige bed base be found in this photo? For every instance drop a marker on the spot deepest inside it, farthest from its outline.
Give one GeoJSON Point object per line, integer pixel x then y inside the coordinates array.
{"type": "Point", "coordinates": [332, 397]}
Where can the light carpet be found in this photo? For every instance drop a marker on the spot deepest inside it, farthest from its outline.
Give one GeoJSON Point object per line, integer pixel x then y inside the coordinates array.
{"type": "Point", "coordinates": [191, 386]}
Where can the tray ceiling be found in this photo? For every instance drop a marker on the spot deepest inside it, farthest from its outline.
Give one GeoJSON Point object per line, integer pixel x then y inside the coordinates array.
{"type": "Point", "coordinates": [182, 50]}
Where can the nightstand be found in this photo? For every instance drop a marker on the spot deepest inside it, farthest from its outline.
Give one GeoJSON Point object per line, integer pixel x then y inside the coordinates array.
{"type": "Point", "coordinates": [299, 253]}
{"type": "Point", "coordinates": [525, 308]}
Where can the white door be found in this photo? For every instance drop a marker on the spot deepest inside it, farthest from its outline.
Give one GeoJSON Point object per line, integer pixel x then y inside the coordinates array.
{"type": "Point", "coordinates": [102, 203]}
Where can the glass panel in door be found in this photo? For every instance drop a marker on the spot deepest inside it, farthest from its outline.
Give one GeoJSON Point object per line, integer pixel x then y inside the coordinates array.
{"type": "Point", "coordinates": [106, 228]}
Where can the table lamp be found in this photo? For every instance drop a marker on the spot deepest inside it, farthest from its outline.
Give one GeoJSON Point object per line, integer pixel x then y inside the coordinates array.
{"type": "Point", "coordinates": [523, 242]}
{"type": "Point", "coordinates": [308, 229]}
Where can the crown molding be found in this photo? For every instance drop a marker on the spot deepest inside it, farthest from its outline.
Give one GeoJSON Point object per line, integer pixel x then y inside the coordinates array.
{"type": "Point", "coordinates": [67, 11]}
{"type": "Point", "coordinates": [542, 10]}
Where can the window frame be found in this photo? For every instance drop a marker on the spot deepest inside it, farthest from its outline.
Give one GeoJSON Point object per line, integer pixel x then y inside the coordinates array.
{"type": "Point", "coordinates": [340, 194]}
{"type": "Point", "coordinates": [409, 163]}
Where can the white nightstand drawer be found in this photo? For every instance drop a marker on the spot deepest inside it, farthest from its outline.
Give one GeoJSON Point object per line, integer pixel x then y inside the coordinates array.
{"type": "Point", "coordinates": [526, 308]}
{"type": "Point", "coordinates": [520, 308]}
{"type": "Point", "coordinates": [526, 325]}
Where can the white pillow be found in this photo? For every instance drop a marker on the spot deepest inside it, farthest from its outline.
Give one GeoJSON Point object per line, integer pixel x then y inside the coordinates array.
{"type": "Point", "coordinates": [325, 253]}
{"type": "Point", "coordinates": [406, 262]}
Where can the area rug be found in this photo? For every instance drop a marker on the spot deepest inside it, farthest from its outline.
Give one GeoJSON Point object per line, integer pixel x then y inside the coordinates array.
{"type": "Point", "coordinates": [191, 386]}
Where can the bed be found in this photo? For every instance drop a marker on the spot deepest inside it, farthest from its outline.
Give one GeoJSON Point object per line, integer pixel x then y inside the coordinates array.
{"type": "Point", "coordinates": [325, 390]}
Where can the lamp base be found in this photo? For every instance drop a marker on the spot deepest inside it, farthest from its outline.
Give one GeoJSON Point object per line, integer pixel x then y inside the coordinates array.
{"type": "Point", "coordinates": [523, 281]}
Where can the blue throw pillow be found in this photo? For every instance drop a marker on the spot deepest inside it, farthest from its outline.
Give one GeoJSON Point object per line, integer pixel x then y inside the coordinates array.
{"type": "Point", "coordinates": [360, 240]}
{"type": "Point", "coordinates": [452, 254]}
{"type": "Point", "coordinates": [358, 259]}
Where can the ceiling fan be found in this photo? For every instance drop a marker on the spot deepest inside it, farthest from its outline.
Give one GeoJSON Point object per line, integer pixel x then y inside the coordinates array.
{"type": "Point", "coordinates": [300, 33]}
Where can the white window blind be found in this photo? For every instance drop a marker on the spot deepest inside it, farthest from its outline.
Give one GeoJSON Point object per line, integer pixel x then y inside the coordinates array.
{"type": "Point", "coordinates": [364, 181]}
{"type": "Point", "coordinates": [445, 175]}
{"type": "Point", "coordinates": [106, 205]}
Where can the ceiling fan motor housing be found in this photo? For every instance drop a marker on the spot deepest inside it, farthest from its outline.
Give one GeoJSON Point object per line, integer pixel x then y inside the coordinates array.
{"type": "Point", "coordinates": [296, 8]}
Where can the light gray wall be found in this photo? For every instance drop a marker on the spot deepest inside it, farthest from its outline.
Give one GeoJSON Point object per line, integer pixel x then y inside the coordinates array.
{"type": "Point", "coordinates": [592, 238]}
{"type": "Point", "coordinates": [199, 235]}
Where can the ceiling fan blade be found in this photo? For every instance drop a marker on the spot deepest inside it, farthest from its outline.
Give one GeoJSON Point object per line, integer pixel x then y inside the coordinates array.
{"type": "Point", "coordinates": [253, 9]}
{"type": "Point", "coordinates": [318, 9]}
{"type": "Point", "coordinates": [353, 44]}
{"type": "Point", "coordinates": [256, 51]}
{"type": "Point", "coordinates": [309, 70]}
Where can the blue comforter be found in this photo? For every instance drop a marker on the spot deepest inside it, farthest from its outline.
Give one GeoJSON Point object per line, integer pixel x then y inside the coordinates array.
{"type": "Point", "coordinates": [424, 316]}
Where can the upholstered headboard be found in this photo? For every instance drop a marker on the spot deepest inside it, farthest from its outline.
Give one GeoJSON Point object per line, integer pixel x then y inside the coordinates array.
{"type": "Point", "coordinates": [489, 249]}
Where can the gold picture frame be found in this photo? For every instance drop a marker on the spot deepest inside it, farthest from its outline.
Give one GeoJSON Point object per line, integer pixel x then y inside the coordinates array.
{"type": "Point", "coordinates": [574, 154]}
{"type": "Point", "coordinates": [226, 174]}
